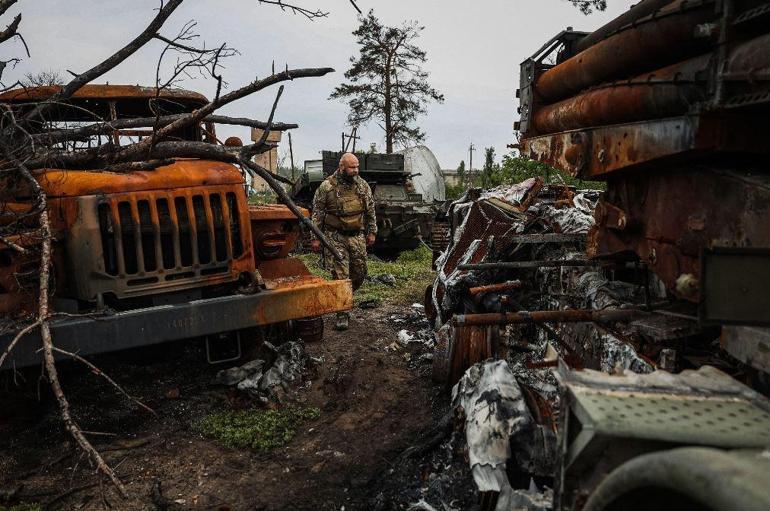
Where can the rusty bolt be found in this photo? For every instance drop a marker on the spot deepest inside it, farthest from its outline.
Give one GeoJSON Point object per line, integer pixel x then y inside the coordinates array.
{"type": "Point", "coordinates": [601, 155]}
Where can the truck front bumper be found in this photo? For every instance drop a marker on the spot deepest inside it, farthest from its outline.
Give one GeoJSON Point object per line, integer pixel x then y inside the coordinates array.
{"type": "Point", "coordinates": [284, 299]}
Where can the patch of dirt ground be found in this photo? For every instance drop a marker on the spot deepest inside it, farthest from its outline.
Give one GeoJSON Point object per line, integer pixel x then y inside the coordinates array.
{"type": "Point", "coordinates": [376, 400]}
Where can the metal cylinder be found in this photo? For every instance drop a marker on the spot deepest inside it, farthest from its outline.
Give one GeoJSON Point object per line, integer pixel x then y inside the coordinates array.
{"type": "Point", "coordinates": [635, 13]}
{"type": "Point", "coordinates": [664, 93]}
{"type": "Point", "coordinates": [666, 37]}
{"type": "Point", "coordinates": [750, 57]}
{"type": "Point", "coordinates": [503, 286]}
{"type": "Point", "coordinates": [557, 316]}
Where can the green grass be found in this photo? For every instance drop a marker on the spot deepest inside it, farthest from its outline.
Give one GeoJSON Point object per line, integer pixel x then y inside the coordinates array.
{"type": "Point", "coordinates": [412, 270]}
{"type": "Point", "coordinates": [23, 507]}
{"type": "Point", "coordinates": [260, 430]}
{"type": "Point", "coordinates": [262, 198]}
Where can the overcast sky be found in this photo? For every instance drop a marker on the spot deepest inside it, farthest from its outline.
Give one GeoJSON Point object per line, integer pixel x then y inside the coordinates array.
{"type": "Point", "coordinates": [474, 50]}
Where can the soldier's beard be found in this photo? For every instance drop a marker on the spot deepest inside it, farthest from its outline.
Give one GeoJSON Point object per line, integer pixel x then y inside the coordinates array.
{"type": "Point", "coordinates": [347, 178]}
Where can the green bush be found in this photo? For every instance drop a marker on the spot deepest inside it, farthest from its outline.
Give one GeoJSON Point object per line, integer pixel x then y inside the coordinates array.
{"type": "Point", "coordinates": [257, 429]}
{"type": "Point", "coordinates": [515, 169]}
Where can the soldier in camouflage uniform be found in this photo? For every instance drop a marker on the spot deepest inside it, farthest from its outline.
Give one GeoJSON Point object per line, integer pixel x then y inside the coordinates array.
{"type": "Point", "coordinates": [343, 208]}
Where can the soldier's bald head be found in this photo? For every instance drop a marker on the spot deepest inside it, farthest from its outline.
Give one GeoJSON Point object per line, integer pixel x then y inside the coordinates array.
{"type": "Point", "coordinates": [349, 164]}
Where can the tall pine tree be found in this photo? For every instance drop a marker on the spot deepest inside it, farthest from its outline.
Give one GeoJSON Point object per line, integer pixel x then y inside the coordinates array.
{"type": "Point", "coordinates": [386, 83]}
{"type": "Point", "coordinates": [587, 6]}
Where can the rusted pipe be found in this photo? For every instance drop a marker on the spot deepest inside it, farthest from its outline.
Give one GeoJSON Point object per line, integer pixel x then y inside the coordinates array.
{"type": "Point", "coordinates": [527, 264]}
{"type": "Point", "coordinates": [558, 316]}
{"type": "Point", "coordinates": [548, 237]}
{"type": "Point", "coordinates": [503, 286]}
{"type": "Point", "coordinates": [663, 93]}
{"type": "Point", "coordinates": [750, 57]}
{"type": "Point", "coordinates": [665, 37]}
{"type": "Point", "coordinates": [635, 13]}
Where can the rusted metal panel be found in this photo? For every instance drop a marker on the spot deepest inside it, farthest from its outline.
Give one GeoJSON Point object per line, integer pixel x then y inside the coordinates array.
{"type": "Point", "coordinates": [468, 345]}
{"type": "Point", "coordinates": [663, 38]}
{"type": "Point", "coordinates": [672, 216]}
{"type": "Point", "coordinates": [303, 297]}
{"type": "Point", "coordinates": [274, 212]}
{"type": "Point", "coordinates": [274, 230]}
{"type": "Point", "coordinates": [182, 173]}
{"type": "Point", "coordinates": [18, 274]}
{"type": "Point", "coordinates": [736, 283]}
{"type": "Point", "coordinates": [275, 271]}
{"type": "Point", "coordinates": [596, 153]}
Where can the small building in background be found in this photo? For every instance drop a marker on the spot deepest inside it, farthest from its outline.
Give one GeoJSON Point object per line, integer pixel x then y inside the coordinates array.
{"type": "Point", "coordinates": [267, 160]}
{"type": "Point", "coordinates": [450, 177]}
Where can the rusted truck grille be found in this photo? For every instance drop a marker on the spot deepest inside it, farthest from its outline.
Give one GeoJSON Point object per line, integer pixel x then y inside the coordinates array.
{"type": "Point", "coordinates": [152, 242]}
{"type": "Point", "coordinates": [184, 235]}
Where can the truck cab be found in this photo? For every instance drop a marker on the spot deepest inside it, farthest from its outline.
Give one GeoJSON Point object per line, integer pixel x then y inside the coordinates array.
{"type": "Point", "coordinates": [148, 256]}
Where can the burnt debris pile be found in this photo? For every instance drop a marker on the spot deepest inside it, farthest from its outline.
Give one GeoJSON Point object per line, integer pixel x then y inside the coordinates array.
{"type": "Point", "coordinates": [519, 308]}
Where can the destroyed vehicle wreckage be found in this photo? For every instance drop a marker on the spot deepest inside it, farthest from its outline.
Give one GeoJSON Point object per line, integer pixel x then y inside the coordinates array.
{"type": "Point", "coordinates": [407, 188]}
{"type": "Point", "coordinates": [147, 256]}
{"type": "Point", "coordinates": [625, 327]}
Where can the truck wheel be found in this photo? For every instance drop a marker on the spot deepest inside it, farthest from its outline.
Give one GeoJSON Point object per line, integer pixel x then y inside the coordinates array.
{"type": "Point", "coordinates": [309, 329]}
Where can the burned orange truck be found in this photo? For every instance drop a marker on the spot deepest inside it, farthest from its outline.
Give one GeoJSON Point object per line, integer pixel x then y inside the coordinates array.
{"type": "Point", "coordinates": [145, 257]}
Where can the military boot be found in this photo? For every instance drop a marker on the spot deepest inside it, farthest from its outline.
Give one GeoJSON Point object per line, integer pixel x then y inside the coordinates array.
{"type": "Point", "coordinates": [342, 321]}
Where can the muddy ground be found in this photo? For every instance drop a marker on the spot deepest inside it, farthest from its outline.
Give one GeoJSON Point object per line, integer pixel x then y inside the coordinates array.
{"type": "Point", "coordinates": [376, 399]}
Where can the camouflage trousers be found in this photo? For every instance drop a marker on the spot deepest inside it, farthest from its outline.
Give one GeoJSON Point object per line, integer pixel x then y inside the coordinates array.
{"type": "Point", "coordinates": [353, 251]}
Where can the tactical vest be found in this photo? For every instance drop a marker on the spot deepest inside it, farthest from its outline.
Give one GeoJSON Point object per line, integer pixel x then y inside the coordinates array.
{"type": "Point", "coordinates": [345, 206]}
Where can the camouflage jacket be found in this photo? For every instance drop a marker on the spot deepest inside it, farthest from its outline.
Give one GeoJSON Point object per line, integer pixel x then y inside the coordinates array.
{"type": "Point", "coordinates": [324, 203]}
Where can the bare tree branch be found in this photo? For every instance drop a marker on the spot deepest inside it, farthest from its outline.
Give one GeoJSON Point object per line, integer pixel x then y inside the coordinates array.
{"type": "Point", "coordinates": [5, 5]}
{"type": "Point", "coordinates": [309, 14]}
{"type": "Point", "coordinates": [10, 30]}
{"type": "Point", "coordinates": [101, 373]}
{"type": "Point", "coordinates": [266, 131]}
{"type": "Point", "coordinates": [107, 127]}
{"type": "Point", "coordinates": [24, 331]}
{"type": "Point", "coordinates": [45, 330]}
{"type": "Point", "coordinates": [111, 62]}
{"type": "Point", "coordinates": [133, 166]}
{"type": "Point", "coordinates": [269, 178]}
{"type": "Point", "coordinates": [202, 112]}
{"type": "Point", "coordinates": [14, 246]}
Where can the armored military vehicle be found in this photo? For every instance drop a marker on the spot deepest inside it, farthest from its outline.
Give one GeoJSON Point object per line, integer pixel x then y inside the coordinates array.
{"type": "Point", "coordinates": [407, 188]}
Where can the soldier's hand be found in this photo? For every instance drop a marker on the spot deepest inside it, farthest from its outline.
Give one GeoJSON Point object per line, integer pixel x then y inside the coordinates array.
{"type": "Point", "coordinates": [370, 240]}
{"type": "Point", "coordinates": [315, 245]}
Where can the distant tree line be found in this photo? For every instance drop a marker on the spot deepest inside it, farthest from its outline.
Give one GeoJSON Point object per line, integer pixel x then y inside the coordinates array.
{"type": "Point", "coordinates": [511, 170]}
